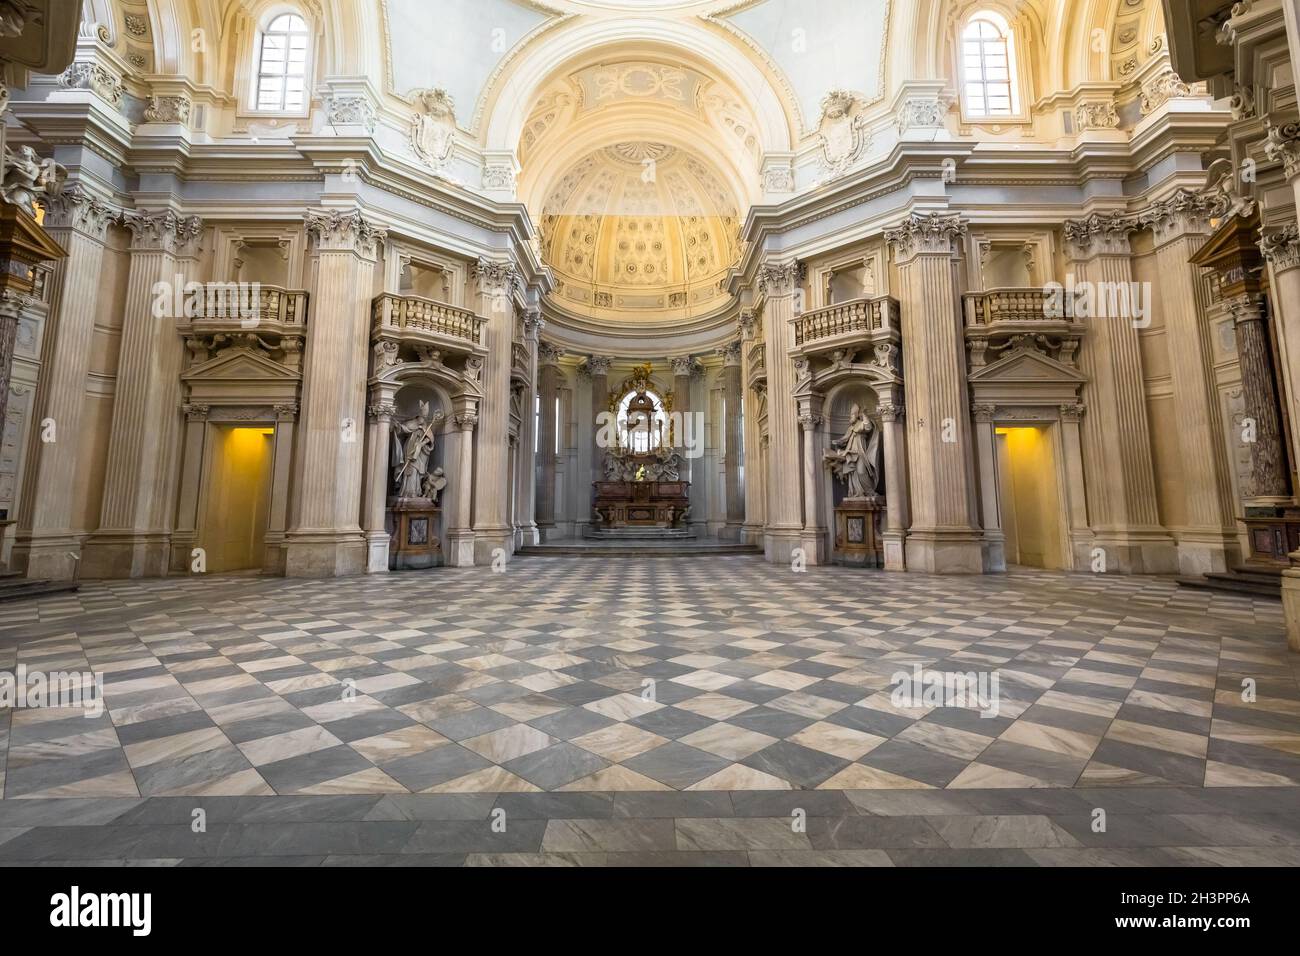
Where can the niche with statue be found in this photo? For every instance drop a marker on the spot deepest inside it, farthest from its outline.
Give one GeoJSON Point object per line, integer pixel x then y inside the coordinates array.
{"type": "Point", "coordinates": [857, 464]}
{"type": "Point", "coordinates": [417, 479]}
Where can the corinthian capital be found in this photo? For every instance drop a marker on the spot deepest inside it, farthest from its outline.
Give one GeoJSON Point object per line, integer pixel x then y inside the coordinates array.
{"type": "Point", "coordinates": [779, 279]}
{"type": "Point", "coordinates": [1184, 212]}
{"type": "Point", "coordinates": [598, 365]}
{"type": "Point", "coordinates": [683, 366]}
{"type": "Point", "coordinates": [1100, 232]}
{"type": "Point", "coordinates": [78, 209]}
{"type": "Point", "coordinates": [163, 231]}
{"type": "Point", "coordinates": [1282, 248]}
{"type": "Point", "coordinates": [1283, 146]}
{"type": "Point", "coordinates": [344, 230]}
{"type": "Point", "coordinates": [549, 354]}
{"type": "Point", "coordinates": [933, 233]}
{"type": "Point", "coordinates": [495, 276]}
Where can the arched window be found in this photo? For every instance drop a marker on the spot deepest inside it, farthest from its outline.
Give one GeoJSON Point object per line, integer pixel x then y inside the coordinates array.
{"type": "Point", "coordinates": [642, 424]}
{"type": "Point", "coordinates": [989, 66]}
{"type": "Point", "coordinates": [282, 65]}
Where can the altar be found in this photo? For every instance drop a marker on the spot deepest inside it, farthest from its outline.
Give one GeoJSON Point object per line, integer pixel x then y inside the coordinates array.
{"type": "Point", "coordinates": [653, 504]}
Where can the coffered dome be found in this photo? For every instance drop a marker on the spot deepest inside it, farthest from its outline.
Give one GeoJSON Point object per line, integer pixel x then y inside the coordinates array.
{"type": "Point", "coordinates": [640, 227]}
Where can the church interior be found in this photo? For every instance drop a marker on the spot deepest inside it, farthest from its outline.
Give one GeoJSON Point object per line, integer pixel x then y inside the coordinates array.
{"type": "Point", "coordinates": [648, 416]}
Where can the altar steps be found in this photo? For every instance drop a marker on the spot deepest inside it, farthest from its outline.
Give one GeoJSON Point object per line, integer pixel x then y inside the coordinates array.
{"type": "Point", "coordinates": [15, 587]}
{"type": "Point", "coordinates": [639, 534]}
{"type": "Point", "coordinates": [689, 547]}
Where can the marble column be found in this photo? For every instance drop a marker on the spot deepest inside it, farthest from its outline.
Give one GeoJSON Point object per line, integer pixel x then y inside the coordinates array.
{"type": "Point", "coordinates": [783, 534]}
{"type": "Point", "coordinates": [526, 532]}
{"type": "Point", "coordinates": [897, 505]}
{"type": "Point", "coordinates": [460, 463]}
{"type": "Point", "coordinates": [1281, 250]}
{"type": "Point", "coordinates": [325, 537]}
{"type": "Point", "coordinates": [814, 540]}
{"type": "Point", "coordinates": [751, 531]}
{"type": "Point", "coordinates": [548, 382]}
{"type": "Point", "coordinates": [945, 537]}
{"type": "Point", "coordinates": [1269, 482]}
{"type": "Point", "coordinates": [142, 472]}
{"type": "Point", "coordinates": [495, 284]}
{"type": "Point", "coordinates": [1078, 533]}
{"type": "Point", "coordinates": [986, 444]}
{"type": "Point", "coordinates": [47, 545]}
{"type": "Point", "coordinates": [1207, 542]}
{"type": "Point", "coordinates": [379, 424]}
{"type": "Point", "coordinates": [733, 388]}
{"type": "Point", "coordinates": [683, 373]}
{"type": "Point", "coordinates": [185, 536]}
{"type": "Point", "coordinates": [286, 422]}
{"type": "Point", "coordinates": [12, 306]}
{"type": "Point", "coordinates": [597, 370]}
{"type": "Point", "coordinates": [1121, 488]}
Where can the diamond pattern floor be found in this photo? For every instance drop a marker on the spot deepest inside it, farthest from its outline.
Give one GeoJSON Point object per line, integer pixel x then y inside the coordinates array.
{"type": "Point", "coordinates": [718, 675]}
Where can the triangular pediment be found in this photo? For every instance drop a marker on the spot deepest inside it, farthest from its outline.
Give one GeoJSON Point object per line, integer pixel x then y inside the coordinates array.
{"type": "Point", "coordinates": [1025, 366]}
{"type": "Point", "coordinates": [240, 365]}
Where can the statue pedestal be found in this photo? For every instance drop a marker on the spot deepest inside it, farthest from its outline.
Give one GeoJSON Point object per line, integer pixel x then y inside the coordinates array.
{"type": "Point", "coordinates": [413, 523]}
{"type": "Point", "coordinates": [859, 524]}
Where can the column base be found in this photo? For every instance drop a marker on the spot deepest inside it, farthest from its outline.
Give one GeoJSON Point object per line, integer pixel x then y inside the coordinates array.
{"type": "Point", "coordinates": [730, 531]}
{"type": "Point", "coordinates": [460, 548]}
{"type": "Point", "coordinates": [527, 536]}
{"type": "Point", "coordinates": [816, 549]}
{"type": "Point", "coordinates": [48, 557]}
{"type": "Point", "coordinates": [324, 554]}
{"type": "Point", "coordinates": [129, 554]}
{"type": "Point", "coordinates": [1131, 552]}
{"type": "Point", "coordinates": [780, 544]}
{"type": "Point", "coordinates": [934, 551]}
{"type": "Point", "coordinates": [1206, 552]}
{"type": "Point", "coordinates": [1291, 607]}
{"type": "Point", "coordinates": [377, 543]}
{"type": "Point", "coordinates": [995, 552]}
{"type": "Point", "coordinates": [492, 544]}
{"type": "Point", "coordinates": [547, 532]}
{"type": "Point", "coordinates": [273, 554]}
{"type": "Point", "coordinates": [895, 549]}
{"type": "Point", "coordinates": [751, 534]}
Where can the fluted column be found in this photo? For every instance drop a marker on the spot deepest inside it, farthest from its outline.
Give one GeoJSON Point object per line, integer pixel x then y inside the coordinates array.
{"type": "Point", "coordinates": [548, 383]}
{"type": "Point", "coordinates": [142, 473]}
{"type": "Point", "coordinates": [783, 534]}
{"type": "Point", "coordinates": [1116, 436]}
{"type": "Point", "coordinates": [990, 492]}
{"type": "Point", "coordinates": [495, 284]}
{"type": "Point", "coordinates": [733, 387]}
{"type": "Point", "coordinates": [47, 546]}
{"type": "Point", "coordinates": [815, 532]}
{"type": "Point", "coordinates": [379, 423]}
{"type": "Point", "coordinates": [286, 422]}
{"type": "Point", "coordinates": [1080, 536]}
{"type": "Point", "coordinates": [751, 531]}
{"type": "Point", "coordinates": [526, 533]}
{"type": "Point", "coordinates": [460, 462]}
{"type": "Point", "coordinates": [1208, 540]}
{"type": "Point", "coordinates": [194, 446]}
{"type": "Point", "coordinates": [684, 370]}
{"type": "Point", "coordinates": [945, 537]}
{"type": "Point", "coordinates": [325, 537]}
{"type": "Point", "coordinates": [897, 503]}
{"type": "Point", "coordinates": [1281, 250]}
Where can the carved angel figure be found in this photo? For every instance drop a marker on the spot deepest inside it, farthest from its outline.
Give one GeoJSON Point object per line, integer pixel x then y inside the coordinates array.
{"type": "Point", "coordinates": [27, 177]}
{"type": "Point", "coordinates": [413, 442]}
{"type": "Point", "coordinates": [855, 459]}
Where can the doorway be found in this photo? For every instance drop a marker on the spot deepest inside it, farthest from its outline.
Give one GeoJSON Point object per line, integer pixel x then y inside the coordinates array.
{"type": "Point", "coordinates": [238, 498]}
{"type": "Point", "coordinates": [1031, 501]}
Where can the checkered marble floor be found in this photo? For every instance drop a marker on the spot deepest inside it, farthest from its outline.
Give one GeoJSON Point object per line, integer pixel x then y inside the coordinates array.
{"type": "Point", "coordinates": [722, 675]}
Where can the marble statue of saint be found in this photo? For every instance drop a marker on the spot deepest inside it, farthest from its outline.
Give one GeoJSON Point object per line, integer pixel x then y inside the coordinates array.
{"type": "Point", "coordinates": [413, 442]}
{"type": "Point", "coordinates": [855, 458]}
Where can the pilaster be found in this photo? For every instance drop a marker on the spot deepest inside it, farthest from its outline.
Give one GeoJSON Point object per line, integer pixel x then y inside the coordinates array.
{"type": "Point", "coordinates": [734, 451]}
{"type": "Point", "coordinates": [495, 284]}
{"type": "Point", "coordinates": [783, 533]}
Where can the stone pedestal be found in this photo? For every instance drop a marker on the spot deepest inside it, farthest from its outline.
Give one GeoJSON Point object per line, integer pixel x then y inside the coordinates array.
{"type": "Point", "coordinates": [859, 533]}
{"type": "Point", "coordinates": [413, 524]}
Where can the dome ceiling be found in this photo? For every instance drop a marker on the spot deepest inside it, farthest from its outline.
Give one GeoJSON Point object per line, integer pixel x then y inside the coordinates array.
{"type": "Point", "coordinates": [640, 227]}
